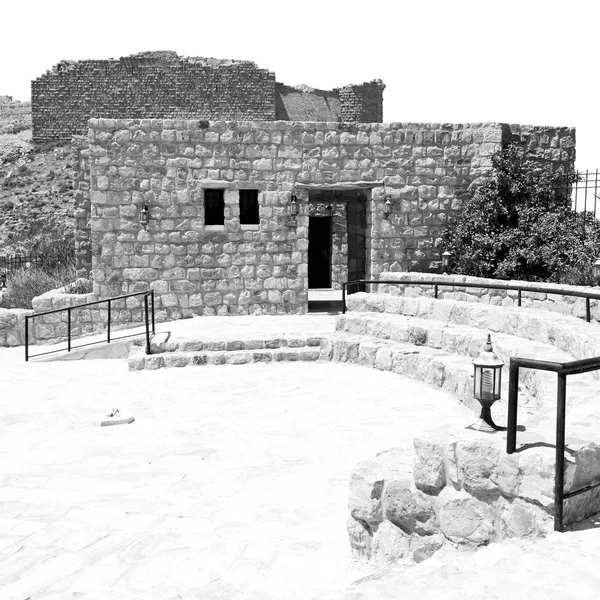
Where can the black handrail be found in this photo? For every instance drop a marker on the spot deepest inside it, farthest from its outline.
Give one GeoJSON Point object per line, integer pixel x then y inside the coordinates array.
{"type": "Point", "coordinates": [149, 320]}
{"type": "Point", "coordinates": [490, 286]}
{"type": "Point", "coordinates": [563, 369]}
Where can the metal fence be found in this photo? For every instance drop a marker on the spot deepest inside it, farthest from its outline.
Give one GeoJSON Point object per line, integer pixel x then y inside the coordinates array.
{"type": "Point", "coordinates": [15, 262]}
{"type": "Point", "coordinates": [585, 192]}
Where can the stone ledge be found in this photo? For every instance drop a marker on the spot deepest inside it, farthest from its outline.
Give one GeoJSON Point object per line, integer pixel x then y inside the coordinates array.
{"type": "Point", "coordinates": [138, 360]}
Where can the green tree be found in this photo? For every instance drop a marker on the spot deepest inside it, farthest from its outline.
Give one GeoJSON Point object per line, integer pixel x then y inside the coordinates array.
{"type": "Point", "coordinates": [519, 225]}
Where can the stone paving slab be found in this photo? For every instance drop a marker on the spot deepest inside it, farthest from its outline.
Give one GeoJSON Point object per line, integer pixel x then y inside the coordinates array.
{"type": "Point", "coordinates": [231, 483]}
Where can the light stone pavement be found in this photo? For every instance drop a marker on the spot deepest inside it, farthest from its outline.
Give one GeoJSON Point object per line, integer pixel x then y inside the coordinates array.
{"type": "Point", "coordinates": [232, 483]}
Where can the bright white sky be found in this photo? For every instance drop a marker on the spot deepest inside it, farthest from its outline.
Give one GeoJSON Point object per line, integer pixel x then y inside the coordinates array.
{"type": "Point", "coordinates": [513, 61]}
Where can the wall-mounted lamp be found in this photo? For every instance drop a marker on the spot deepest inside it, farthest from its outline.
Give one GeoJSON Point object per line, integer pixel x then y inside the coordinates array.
{"type": "Point", "coordinates": [446, 256]}
{"type": "Point", "coordinates": [294, 207]}
{"type": "Point", "coordinates": [596, 271]}
{"type": "Point", "coordinates": [144, 216]}
{"type": "Point", "coordinates": [294, 210]}
{"type": "Point", "coordinates": [388, 207]}
{"type": "Point", "coordinates": [486, 385]}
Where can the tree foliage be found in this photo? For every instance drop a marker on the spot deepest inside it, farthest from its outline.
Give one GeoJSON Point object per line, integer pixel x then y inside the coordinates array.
{"type": "Point", "coordinates": [519, 225]}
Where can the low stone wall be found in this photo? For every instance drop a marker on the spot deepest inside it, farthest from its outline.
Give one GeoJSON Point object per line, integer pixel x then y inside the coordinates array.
{"type": "Point", "coordinates": [464, 490]}
{"type": "Point", "coordinates": [50, 329]}
{"type": "Point", "coordinates": [551, 299]}
{"type": "Point", "coordinates": [12, 326]}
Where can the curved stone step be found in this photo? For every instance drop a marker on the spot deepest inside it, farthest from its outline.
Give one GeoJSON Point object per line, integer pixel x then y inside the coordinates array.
{"type": "Point", "coordinates": [578, 339]}
{"type": "Point", "coordinates": [138, 360]}
{"type": "Point", "coordinates": [435, 367]}
{"type": "Point", "coordinates": [468, 341]}
{"type": "Point", "coordinates": [162, 342]}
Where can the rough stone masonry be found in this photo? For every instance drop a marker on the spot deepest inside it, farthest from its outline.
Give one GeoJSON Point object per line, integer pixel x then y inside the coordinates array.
{"type": "Point", "coordinates": [165, 85]}
{"type": "Point", "coordinates": [182, 169]}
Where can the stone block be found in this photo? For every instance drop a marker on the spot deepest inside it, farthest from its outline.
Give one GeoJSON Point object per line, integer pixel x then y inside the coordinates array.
{"type": "Point", "coordinates": [383, 359]}
{"type": "Point", "coordinates": [366, 489]}
{"type": "Point", "coordinates": [477, 462]}
{"type": "Point", "coordinates": [464, 519]}
{"type": "Point", "coordinates": [429, 471]}
{"type": "Point", "coordinates": [360, 539]}
{"type": "Point", "coordinates": [408, 508]}
{"type": "Point", "coordinates": [423, 548]}
{"type": "Point", "coordinates": [389, 544]}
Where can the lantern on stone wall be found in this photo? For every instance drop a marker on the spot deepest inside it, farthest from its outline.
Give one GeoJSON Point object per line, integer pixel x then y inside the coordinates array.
{"type": "Point", "coordinates": [144, 216]}
{"type": "Point", "coordinates": [596, 271]}
{"type": "Point", "coordinates": [487, 385]}
{"type": "Point", "coordinates": [388, 207]}
{"type": "Point", "coordinates": [294, 207]}
{"type": "Point", "coordinates": [446, 256]}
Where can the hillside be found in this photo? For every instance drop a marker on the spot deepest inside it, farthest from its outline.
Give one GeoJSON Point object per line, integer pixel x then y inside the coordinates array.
{"type": "Point", "coordinates": [36, 198]}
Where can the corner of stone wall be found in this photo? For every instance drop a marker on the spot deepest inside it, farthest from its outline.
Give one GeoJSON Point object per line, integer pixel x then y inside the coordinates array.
{"type": "Point", "coordinates": [546, 146]}
{"type": "Point", "coordinates": [82, 207]}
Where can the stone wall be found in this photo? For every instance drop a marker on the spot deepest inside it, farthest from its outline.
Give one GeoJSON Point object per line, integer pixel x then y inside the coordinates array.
{"type": "Point", "coordinates": [82, 207]}
{"type": "Point", "coordinates": [302, 103]}
{"type": "Point", "coordinates": [362, 103]}
{"type": "Point", "coordinates": [424, 169]}
{"type": "Point", "coordinates": [550, 299]}
{"type": "Point", "coordinates": [51, 329]}
{"type": "Point", "coordinates": [547, 146]}
{"type": "Point", "coordinates": [165, 85]}
{"type": "Point", "coordinates": [147, 85]}
{"type": "Point", "coordinates": [463, 491]}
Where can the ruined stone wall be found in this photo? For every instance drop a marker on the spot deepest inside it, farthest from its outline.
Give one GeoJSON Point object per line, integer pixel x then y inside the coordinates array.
{"type": "Point", "coordinates": [362, 103]}
{"type": "Point", "coordinates": [159, 84]}
{"type": "Point", "coordinates": [234, 269]}
{"type": "Point", "coordinates": [306, 104]}
{"type": "Point", "coordinates": [165, 85]}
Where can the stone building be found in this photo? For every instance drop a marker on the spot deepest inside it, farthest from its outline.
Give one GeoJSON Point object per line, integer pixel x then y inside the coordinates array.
{"type": "Point", "coordinates": [221, 157]}
{"type": "Point", "coordinates": [222, 237]}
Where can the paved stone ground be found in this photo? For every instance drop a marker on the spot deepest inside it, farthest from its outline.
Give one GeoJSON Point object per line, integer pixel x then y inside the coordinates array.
{"type": "Point", "coordinates": [232, 483]}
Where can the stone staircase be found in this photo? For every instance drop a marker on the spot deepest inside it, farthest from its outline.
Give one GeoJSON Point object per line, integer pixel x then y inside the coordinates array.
{"type": "Point", "coordinates": [435, 341]}
{"type": "Point", "coordinates": [427, 339]}
{"type": "Point", "coordinates": [222, 352]}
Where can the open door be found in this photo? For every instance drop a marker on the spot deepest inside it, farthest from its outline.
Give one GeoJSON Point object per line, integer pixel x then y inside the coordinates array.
{"type": "Point", "coordinates": [319, 252]}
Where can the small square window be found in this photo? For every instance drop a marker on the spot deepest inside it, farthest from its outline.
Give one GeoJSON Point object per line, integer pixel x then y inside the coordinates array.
{"type": "Point", "coordinates": [249, 207]}
{"type": "Point", "coordinates": [214, 207]}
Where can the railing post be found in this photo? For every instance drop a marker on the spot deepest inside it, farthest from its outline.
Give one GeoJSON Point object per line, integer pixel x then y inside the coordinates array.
{"type": "Point", "coordinates": [26, 338]}
{"type": "Point", "coordinates": [147, 324]}
{"type": "Point", "coordinates": [559, 474]}
{"type": "Point", "coordinates": [513, 405]}
{"type": "Point", "coordinates": [69, 329]}
{"type": "Point", "coordinates": [588, 312]}
{"type": "Point", "coordinates": [518, 297]}
{"type": "Point", "coordinates": [152, 296]}
{"type": "Point", "coordinates": [108, 324]}
{"type": "Point", "coordinates": [435, 290]}
{"type": "Point", "coordinates": [344, 298]}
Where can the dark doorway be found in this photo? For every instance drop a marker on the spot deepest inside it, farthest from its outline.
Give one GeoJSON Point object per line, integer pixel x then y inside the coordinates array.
{"type": "Point", "coordinates": [319, 252]}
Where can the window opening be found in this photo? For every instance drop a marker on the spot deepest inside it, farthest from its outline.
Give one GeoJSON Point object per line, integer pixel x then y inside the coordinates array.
{"type": "Point", "coordinates": [249, 207]}
{"type": "Point", "coordinates": [214, 207]}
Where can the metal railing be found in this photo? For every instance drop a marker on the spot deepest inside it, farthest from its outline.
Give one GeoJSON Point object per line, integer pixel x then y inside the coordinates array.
{"type": "Point", "coordinates": [14, 262]}
{"type": "Point", "coordinates": [563, 369]}
{"type": "Point", "coordinates": [148, 317]}
{"type": "Point", "coordinates": [436, 283]}
{"type": "Point", "coordinates": [586, 191]}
